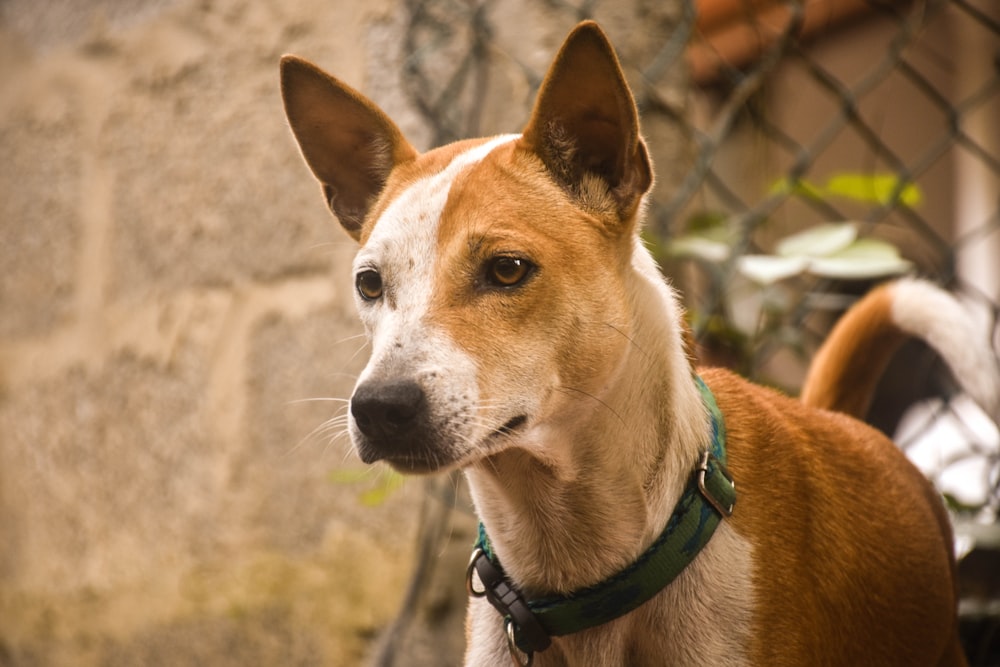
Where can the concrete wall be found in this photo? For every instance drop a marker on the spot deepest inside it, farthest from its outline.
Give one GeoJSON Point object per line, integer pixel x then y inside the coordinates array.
{"type": "Point", "coordinates": [171, 284]}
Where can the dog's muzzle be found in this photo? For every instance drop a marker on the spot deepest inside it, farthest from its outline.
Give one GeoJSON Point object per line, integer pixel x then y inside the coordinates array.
{"type": "Point", "coordinates": [393, 420]}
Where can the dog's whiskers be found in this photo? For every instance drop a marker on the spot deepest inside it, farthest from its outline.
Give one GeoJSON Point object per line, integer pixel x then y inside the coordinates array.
{"type": "Point", "coordinates": [335, 430]}
{"type": "Point", "coordinates": [324, 245]}
{"type": "Point", "coordinates": [335, 425]}
{"type": "Point", "coordinates": [365, 344]}
{"type": "Point", "coordinates": [319, 399]}
{"type": "Point", "coordinates": [352, 337]}
{"type": "Point", "coordinates": [566, 389]}
{"type": "Point", "coordinates": [626, 337]}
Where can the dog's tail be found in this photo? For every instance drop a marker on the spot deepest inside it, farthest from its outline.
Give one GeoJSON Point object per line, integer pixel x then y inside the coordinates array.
{"type": "Point", "coordinates": [846, 369]}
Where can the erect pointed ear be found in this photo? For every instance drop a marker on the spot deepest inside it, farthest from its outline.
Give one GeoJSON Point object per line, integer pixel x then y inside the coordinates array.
{"type": "Point", "coordinates": [347, 141]}
{"type": "Point", "coordinates": [585, 124]}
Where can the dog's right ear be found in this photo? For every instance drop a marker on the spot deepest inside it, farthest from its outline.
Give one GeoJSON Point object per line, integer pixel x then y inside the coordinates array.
{"type": "Point", "coordinates": [348, 142]}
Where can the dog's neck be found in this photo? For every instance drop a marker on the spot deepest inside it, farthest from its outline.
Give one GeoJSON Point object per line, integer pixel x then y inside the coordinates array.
{"type": "Point", "coordinates": [587, 512]}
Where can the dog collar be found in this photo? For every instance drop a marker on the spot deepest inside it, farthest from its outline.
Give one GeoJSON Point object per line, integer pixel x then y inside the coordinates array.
{"type": "Point", "coordinates": [530, 624]}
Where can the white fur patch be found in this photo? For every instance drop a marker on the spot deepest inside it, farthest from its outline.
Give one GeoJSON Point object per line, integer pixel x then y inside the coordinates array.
{"type": "Point", "coordinates": [403, 242]}
{"type": "Point", "coordinates": [923, 310]}
{"type": "Point", "coordinates": [402, 248]}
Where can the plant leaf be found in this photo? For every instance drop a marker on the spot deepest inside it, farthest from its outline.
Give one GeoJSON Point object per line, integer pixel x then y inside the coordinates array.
{"type": "Point", "coordinates": [382, 481]}
{"type": "Point", "coordinates": [705, 221]}
{"type": "Point", "coordinates": [769, 269]}
{"type": "Point", "coordinates": [799, 187]}
{"type": "Point", "coordinates": [875, 188]}
{"type": "Point", "coordinates": [378, 495]}
{"type": "Point", "coordinates": [863, 259]}
{"type": "Point", "coordinates": [818, 241]}
{"type": "Point", "coordinates": [348, 476]}
{"type": "Point", "coordinates": [699, 247]}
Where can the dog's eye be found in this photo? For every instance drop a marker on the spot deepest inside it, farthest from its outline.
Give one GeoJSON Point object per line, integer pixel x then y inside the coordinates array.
{"type": "Point", "coordinates": [508, 271]}
{"type": "Point", "coordinates": [369, 284]}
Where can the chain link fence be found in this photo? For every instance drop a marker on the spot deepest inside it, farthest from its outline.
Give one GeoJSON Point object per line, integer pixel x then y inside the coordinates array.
{"type": "Point", "coordinates": [875, 124]}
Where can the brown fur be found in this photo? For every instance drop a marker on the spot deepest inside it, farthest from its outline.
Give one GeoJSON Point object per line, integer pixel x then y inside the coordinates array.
{"type": "Point", "coordinates": [844, 373]}
{"type": "Point", "coordinates": [833, 506]}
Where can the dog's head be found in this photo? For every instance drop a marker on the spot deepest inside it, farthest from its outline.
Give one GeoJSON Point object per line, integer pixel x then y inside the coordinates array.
{"type": "Point", "coordinates": [490, 272]}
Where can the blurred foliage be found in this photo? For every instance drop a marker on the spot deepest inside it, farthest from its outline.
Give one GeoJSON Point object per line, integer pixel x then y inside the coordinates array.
{"type": "Point", "coordinates": [747, 297]}
{"type": "Point", "coordinates": [378, 482]}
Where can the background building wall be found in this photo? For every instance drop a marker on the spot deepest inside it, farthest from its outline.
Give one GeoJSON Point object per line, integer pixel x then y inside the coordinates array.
{"type": "Point", "coordinates": [171, 286]}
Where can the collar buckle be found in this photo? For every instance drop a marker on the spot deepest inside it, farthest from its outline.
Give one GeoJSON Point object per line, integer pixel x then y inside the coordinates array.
{"type": "Point", "coordinates": [715, 484]}
{"type": "Point", "coordinates": [524, 631]}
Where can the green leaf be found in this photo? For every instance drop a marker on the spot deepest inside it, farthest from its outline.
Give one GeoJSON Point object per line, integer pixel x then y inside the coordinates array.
{"type": "Point", "coordinates": [378, 495]}
{"type": "Point", "coordinates": [875, 188]}
{"type": "Point", "coordinates": [818, 241]}
{"type": "Point", "coordinates": [348, 476]}
{"type": "Point", "coordinates": [698, 247]}
{"type": "Point", "coordinates": [769, 269]}
{"type": "Point", "coordinates": [864, 259]}
{"type": "Point", "coordinates": [705, 221]}
{"type": "Point", "coordinates": [959, 507]}
{"type": "Point", "coordinates": [383, 482]}
{"type": "Point", "coordinates": [799, 187]}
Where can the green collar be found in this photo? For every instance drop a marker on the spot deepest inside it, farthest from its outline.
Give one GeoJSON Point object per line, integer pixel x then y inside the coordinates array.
{"type": "Point", "coordinates": [530, 624]}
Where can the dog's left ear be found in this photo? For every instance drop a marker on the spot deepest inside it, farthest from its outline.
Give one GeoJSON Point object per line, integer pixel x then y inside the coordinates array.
{"type": "Point", "coordinates": [585, 124]}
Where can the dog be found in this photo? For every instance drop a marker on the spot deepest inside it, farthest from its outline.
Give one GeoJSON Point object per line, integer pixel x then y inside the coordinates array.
{"type": "Point", "coordinates": [634, 510]}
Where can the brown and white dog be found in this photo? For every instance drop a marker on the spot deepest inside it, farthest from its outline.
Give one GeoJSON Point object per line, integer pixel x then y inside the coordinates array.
{"type": "Point", "coordinates": [520, 331]}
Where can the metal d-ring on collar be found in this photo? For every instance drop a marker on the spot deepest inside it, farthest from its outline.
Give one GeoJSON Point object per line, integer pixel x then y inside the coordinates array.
{"type": "Point", "coordinates": [506, 599]}
{"type": "Point", "coordinates": [530, 624]}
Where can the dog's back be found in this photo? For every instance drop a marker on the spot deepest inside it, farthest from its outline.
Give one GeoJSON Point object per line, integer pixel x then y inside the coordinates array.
{"type": "Point", "coordinates": [816, 491]}
{"type": "Point", "coordinates": [843, 378]}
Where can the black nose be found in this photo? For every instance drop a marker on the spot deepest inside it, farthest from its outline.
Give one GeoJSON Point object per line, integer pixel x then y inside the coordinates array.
{"type": "Point", "coordinates": [385, 410]}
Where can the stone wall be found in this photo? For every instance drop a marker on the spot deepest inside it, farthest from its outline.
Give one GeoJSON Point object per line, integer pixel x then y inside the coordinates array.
{"type": "Point", "coordinates": [171, 287]}
{"type": "Point", "coordinates": [177, 336]}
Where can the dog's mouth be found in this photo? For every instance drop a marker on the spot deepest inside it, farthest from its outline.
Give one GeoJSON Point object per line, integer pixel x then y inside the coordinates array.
{"type": "Point", "coordinates": [511, 426]}
{"type": "Point", "coordinates": [422, 459]}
